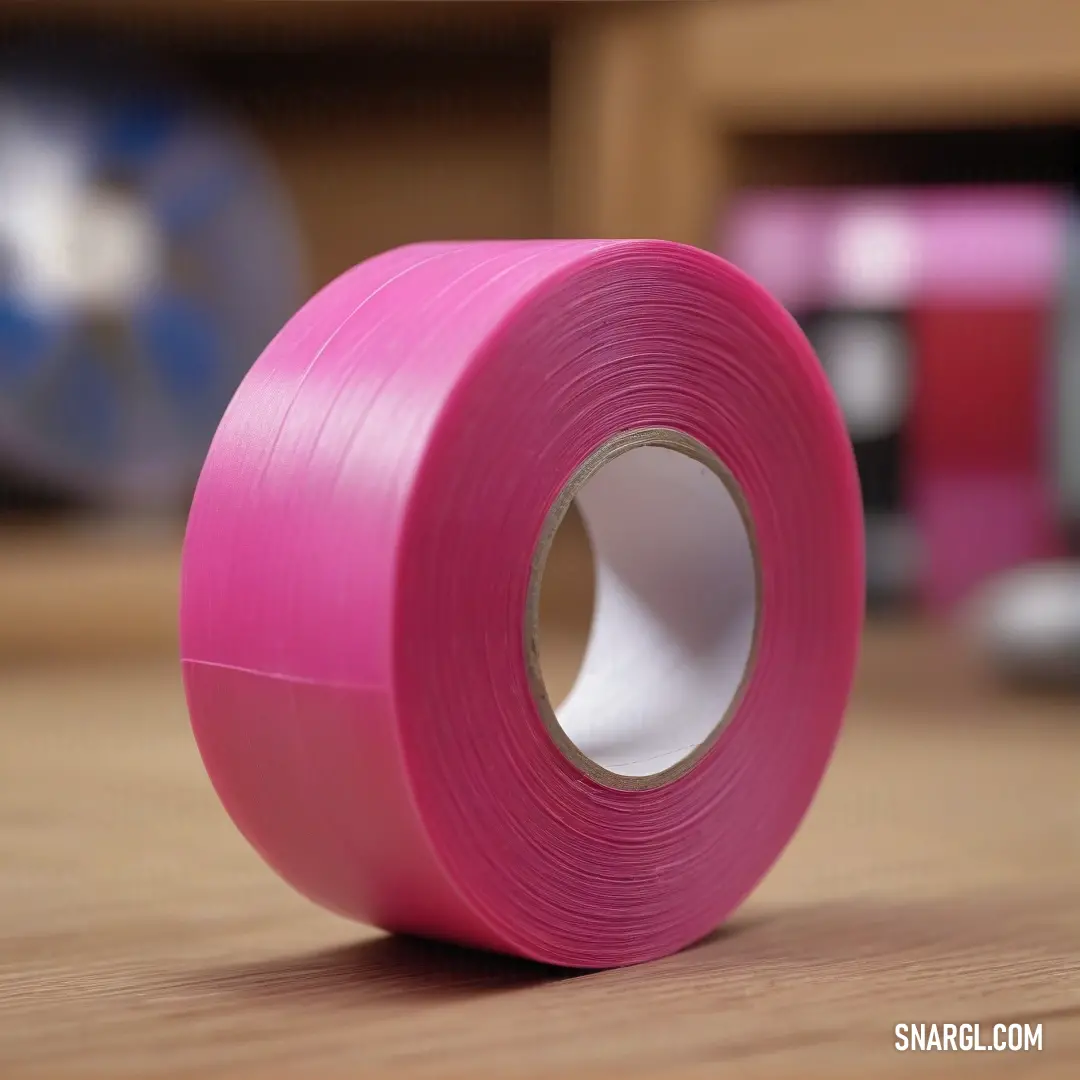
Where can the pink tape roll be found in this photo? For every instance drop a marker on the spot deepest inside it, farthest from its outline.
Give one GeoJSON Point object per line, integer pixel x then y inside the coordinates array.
{"type": "Point", "coordinates": [360, 578]}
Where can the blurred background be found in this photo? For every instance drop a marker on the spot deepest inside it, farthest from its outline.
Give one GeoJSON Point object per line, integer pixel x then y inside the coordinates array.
{"type": "Point", "coordinates": [174, 185]}
{"type": "Point", "coordinates": [177, 178]}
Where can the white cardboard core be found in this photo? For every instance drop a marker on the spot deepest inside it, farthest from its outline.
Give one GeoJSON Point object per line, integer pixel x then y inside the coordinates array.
{"type": "Point", "coordinates": [674, 621]}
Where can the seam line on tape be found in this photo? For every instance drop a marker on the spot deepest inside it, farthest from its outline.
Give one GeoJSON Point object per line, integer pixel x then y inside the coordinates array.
{"type": "Point", "coordinates": [329, 684]}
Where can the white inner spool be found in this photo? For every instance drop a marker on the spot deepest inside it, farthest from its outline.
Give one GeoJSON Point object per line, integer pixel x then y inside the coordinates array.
{"type": "Point", "coordinates": [675, 616]}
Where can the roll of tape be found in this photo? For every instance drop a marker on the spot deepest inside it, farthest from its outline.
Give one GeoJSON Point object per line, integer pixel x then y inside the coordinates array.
{"type": "Point", "coordinates": [363, 563]}
{"type": "Point", "coordinates": [147, 255]}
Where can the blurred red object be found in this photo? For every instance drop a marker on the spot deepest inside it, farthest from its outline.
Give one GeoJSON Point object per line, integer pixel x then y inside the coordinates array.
{"type": "Point", "coordinates": [978, 481]}
{"type": "Point", "coordinates": [978, 395]}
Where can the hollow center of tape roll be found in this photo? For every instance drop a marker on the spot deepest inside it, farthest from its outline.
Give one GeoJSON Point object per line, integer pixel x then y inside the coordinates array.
{"type": "Point", "coordinates": [675, 610]}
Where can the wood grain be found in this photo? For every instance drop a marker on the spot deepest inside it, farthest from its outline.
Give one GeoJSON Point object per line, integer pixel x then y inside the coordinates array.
{"type": "Point", "coordinates": [848, 63]}
{"type": "Point", "coordinates": [632, 154]}
{"type": "Point", "coordinates": [88, 592]}
{"type": "Point", "coordinates": [824, 67]}
{"type": "Point", "coordinates": [936, 879]}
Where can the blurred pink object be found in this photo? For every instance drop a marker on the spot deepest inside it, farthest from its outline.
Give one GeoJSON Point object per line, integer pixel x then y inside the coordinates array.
{"type": "Point", "coordinates": [991, 245]}
{"type": "Point", "coordinates": [891, 248]}
{"type": "Point", "coordinates": [972, 528]}
{"type": "Point", "coordinates": [779, 239]}
{"type": "Point", "coordinates": [873, 251]}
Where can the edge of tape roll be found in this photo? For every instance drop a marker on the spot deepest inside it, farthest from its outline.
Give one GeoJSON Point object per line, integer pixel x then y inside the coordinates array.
{"type": "Point", "coordinates": [360, 575]}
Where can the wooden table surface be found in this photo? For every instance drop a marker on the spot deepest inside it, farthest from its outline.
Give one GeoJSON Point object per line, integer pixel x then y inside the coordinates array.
{"type": "Point", "coordinates": [937, 879]}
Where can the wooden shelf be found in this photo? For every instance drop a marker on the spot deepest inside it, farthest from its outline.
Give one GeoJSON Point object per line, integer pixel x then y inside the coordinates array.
{"type": "Point", "coordinates": [624, 121]}
{"type": "Point", "coordinates": [831, 63]}
{"type": "Point", "coordinates": [88, 593]}
{"type": "Point", "coordinates": [394, 122]}
{"type": "Point", "coordinates": [311, 21]}
{"type": "Point", "coordinates": [389, 123]}
{"type": "Point", "coordinates": [738, 72]}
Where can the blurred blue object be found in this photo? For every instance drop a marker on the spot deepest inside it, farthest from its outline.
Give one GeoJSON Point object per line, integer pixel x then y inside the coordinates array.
{"type": "Point", "coordinates": [147, 256]}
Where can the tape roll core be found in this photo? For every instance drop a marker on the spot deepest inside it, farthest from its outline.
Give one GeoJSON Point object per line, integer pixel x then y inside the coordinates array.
{"type": "Point", "coordinates": [675, 622]}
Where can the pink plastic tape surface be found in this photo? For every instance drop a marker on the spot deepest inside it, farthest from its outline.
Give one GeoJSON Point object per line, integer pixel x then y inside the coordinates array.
{"type": "Point", "coordinates": [362, 565]}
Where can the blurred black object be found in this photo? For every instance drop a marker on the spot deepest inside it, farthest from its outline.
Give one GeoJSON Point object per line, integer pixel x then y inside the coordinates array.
{"type": "Point", "coordinates": [866, 355]}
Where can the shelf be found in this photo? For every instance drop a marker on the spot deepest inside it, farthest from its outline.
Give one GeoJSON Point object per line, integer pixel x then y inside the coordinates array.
{"type": "Point", "coordinates": [311, 21]}
{"type": "Point", "coordinates": [827, 63]}
{"type": "Point", "coordinates": [713, 82]}
{"type": "Point", "coordinates": [88, 593]}
{"type": "Point", "coordinates": [1012, 154]}
{"type": "Point", "coordinates": [382, 147]}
